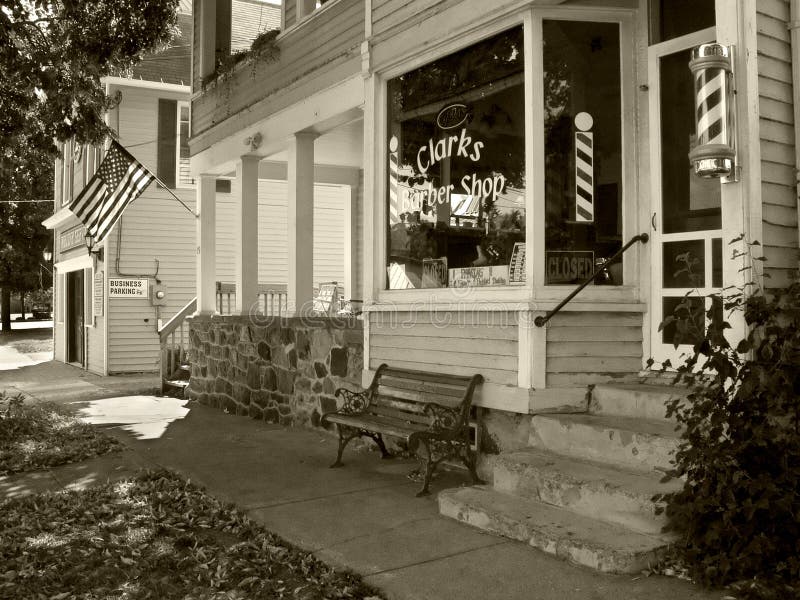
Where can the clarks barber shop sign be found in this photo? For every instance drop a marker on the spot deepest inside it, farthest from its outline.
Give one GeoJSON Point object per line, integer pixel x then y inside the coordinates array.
{"type": "Point", "coordinates": [455, 144]}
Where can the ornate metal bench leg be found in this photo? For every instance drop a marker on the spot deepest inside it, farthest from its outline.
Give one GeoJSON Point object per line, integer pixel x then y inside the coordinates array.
{"type": "Point", "coordinates": [345, 435]}
{"type": "Point", "coordinates": [430, 466]}
{"type": "Point", "coordinates": [385, 454]}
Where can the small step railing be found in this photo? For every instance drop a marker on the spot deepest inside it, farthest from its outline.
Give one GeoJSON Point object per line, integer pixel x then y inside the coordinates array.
{"type": "Point", "coordinates": [272, 299]}
{"type": "Point", "coordinates": [175, 344]}
{"type": "Point", "coordinates": [541, 320]}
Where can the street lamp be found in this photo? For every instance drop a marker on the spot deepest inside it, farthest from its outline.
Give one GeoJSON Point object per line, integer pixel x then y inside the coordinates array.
{"type": "Point", "coordinates": [98, 252]}
{"type": "Point", "coordinates": [47, 254]}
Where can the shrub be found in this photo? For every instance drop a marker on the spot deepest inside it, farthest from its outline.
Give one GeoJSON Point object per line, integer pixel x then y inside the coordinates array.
{"type": "Point", "coordinates": [738, 514]}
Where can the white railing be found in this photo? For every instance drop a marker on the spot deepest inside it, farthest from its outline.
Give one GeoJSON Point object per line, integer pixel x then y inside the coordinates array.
{"type": "Point", "coordinates": [174, 339]}
{"type": "Point", "coordinates": [272, 299]}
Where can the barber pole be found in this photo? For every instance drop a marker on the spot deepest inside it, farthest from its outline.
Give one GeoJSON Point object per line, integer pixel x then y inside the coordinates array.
{"type": "Point", "coordinates": [715, 153]}
{"type": "Point", "coordinates": [584, 168]}
{"type": "Point", "coordinates": [394, 212]}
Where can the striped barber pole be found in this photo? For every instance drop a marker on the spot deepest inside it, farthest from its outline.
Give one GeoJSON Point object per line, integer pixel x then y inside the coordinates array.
{"type": "Point", "coordinates": [712, 126]}
{"type": "Point", "coordinates": [394, 201]}
{"type": "Point", "coordinates": [584, 169]}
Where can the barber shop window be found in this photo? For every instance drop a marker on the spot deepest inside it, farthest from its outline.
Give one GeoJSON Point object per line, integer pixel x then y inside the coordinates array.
{"type": "Point", "coordinates": [456, 169]}
{"type": "Point", "coordinates": [582, 146]}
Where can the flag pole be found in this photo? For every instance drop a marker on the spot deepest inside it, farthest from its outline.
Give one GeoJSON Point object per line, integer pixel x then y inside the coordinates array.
{"type": "Point", "coordinates": [163, 185]}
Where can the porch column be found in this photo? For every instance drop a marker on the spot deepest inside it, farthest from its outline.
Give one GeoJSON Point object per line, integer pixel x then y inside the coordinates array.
{"type": "Point", "coordinates": [352, 241]}
{"type": "Point", "coordinates": [206, 245]}
{"type": "Point", "coordinates": [300, 175]}
{"type": "Point", "coordinates": [207, 33]}
{"type": "Point", "coordinates": [246, 234]}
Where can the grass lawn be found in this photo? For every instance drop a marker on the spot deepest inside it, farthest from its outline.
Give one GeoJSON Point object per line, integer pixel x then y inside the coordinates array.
{"type": "Point", "coordinates": [41, 435]}
{"type": "Point", "coordinates": [153, 536]}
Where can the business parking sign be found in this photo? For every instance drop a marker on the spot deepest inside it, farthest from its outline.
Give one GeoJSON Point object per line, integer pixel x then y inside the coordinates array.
{"type": "Point", "coordinates": [127, 288]}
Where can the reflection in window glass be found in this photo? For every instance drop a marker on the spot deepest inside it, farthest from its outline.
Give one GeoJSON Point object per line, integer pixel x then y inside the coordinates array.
{"type": "Point", "coordinates": [690, 203]}
{"type": "Point", "coordinates": [689, 324]}
{"type": "Point", "coordinates": [684, 264]}
{"type": "Point", "coordinates": [582, 144]}
{"type": "Point", "coordinates": [456, 169]}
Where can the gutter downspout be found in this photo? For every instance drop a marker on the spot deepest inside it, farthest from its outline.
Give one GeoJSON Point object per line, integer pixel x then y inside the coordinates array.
{"type": "Point", "coordinates": [794, 31]}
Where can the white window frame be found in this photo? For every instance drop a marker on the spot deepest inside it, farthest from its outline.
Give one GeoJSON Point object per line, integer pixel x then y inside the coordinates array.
{"type": "Point", "coordinates": [535, 292]}
{"type": "Point", "coordinates": [513, 296]}
{"type": "Point", "coordinates": [631, 225]}
{"type": "Point", "coordinates": [179, 184]}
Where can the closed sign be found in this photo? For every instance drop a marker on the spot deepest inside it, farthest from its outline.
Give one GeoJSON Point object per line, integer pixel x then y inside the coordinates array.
{"type": "Point", "coordinates": [127, 288]}
{"type": "Point", "coordinates": [564, 266]}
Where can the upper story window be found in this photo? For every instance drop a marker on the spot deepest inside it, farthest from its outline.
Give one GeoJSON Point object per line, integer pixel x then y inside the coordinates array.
{"type": "Point", "coordinates": [173, 143]}
{"type": "Point", "coordinates": [456, 170]}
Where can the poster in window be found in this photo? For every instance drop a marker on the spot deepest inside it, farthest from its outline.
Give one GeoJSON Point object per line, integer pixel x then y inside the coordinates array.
{"type": "Point", "coordinates": [434, 272]}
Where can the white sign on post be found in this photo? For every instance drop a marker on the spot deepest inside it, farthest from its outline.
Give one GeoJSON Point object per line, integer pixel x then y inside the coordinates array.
{"type": "Point", "coordinates": [127, 288]}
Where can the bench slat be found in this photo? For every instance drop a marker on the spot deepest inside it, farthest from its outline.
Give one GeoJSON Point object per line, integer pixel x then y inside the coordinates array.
{"type": "Point", "coordinates": [399, 404]}
{"type": "Point", "coordinates": [377, 424]}
{"type": "Point", "coordinates": [385, 392]}
{"type": "Point", "coordinates": [445, 389]}
{"type": "Point", "coordinates": [400, 415]}
{"type": "Point", "coordinates": [425, 376]}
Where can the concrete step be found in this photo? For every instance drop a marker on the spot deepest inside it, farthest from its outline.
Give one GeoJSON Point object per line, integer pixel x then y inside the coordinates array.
{"type": "Point", "coordinates": [595, 544]}
{"type": "Point", "coordinates": [585, 487]}
{"type": "Point", "coordinates": [624, 442]}
{"type": "Point", "coordinates": [634, 400]}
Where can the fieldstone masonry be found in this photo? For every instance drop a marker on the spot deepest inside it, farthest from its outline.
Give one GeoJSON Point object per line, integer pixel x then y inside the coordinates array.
{"type": "Point", "coordinates": [279, 370]}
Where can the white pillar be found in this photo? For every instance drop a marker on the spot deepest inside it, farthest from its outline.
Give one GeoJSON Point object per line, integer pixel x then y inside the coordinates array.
{"type": "Point", "coordinates": [206, 245]}
{"type": "Point", "coordinates": [246, 234]}
{"type": "Point", "coordinates": [300, 175]}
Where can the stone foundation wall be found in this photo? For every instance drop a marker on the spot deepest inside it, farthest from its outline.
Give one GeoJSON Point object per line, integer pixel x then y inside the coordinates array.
{"type": "Point", "coordinates": [279, 370]}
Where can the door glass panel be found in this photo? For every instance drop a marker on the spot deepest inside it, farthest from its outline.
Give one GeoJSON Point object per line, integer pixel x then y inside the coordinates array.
{"type": "Point", "coordinates": [673, 18]}
{"type": "Point", "coordinates": [583, 150]}
{"type": "Point", "coordinates": [689, 202]}
{"type": "Point", "coordinates": [684, 264]}
{"type": "Point", "coordinates": [689, 324]}
{"type": "Point", "coordinates": [716, 262]}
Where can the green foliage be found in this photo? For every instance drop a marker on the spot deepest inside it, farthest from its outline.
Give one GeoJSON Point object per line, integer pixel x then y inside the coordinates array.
{"type": "Point", "coordinates": [264, 49]}
{"type": "Point", "coordinates": [153, 536]}
{"type": "Point", "coordinates": [39, 436]}
{"type": "Point", "coordinates": [738, 514]}
{"type": "Point", "coordinates": [52, 57]}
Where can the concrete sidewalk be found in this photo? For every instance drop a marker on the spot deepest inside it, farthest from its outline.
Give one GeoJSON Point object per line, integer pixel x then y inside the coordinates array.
{"type": "Point", "coordinates": [364, 516]}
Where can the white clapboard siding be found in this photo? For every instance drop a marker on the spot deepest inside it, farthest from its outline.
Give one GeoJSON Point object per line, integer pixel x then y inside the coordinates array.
{"type": "Point", "coordinates": [155, 237]}
{"type": "Point", "coordinates": [776, 123]}
{"type": "Point", "coordinates": [584, 348]}
{"type": "Point", "coordinates": [95, 335]}
{"type": "Point", "coordinates": [273, 233]}
{"type": "Point", "coordinates": [458, 343]}
{"type": "Point", "coordinates": [249, 18]}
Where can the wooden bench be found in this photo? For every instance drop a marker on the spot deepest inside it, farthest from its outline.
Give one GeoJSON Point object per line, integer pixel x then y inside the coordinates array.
{"type": "Point", "coordinates": [427, 410]}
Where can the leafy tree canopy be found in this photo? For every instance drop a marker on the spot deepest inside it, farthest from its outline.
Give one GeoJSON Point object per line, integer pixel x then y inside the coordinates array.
{"type": "Point", "coordinates": [53, 55]}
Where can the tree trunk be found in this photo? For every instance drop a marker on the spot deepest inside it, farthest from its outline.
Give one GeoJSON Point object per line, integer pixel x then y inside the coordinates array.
{"type": "Point", "coordinates": [5, 309]}
{"type": "Point", "coordinates": [22, 304]}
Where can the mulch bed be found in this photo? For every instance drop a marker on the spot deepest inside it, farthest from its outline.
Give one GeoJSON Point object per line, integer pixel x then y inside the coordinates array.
{"type": "Point", "coordinates": [155, 535]}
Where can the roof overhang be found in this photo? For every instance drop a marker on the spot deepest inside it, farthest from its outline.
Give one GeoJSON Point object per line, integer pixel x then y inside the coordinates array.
{"type": "Point", "coordinates": [59, 218]}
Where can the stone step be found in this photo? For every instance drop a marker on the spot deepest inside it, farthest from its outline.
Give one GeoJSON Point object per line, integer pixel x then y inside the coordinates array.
{"type": "Point", "coordinates": [602, 546]}
{"type": "Point", "coordinates": [634, 400]}
{"type": "Point", "coordinates": [624, 442]}
{"type": "Point", "coordinates": [585, 487]}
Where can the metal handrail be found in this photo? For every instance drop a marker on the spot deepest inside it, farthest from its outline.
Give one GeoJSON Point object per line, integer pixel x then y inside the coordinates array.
{"type": "Point", "coordinates": [542, 319]}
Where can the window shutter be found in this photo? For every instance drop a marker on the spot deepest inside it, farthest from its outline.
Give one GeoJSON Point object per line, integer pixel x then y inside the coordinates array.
{"type": "Point", "coordinates": [167, 136]}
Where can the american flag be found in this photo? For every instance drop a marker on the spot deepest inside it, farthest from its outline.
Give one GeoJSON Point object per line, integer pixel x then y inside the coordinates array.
{"type": "Point", "coordinates": [119, 180]}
